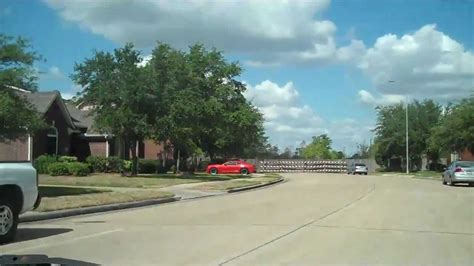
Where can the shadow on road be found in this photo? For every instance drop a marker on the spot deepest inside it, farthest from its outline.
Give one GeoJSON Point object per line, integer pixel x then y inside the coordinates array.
{"type": "Point", "coordinates": [40, 260]}
{"type": "Point", "coordinates": [25, 234]}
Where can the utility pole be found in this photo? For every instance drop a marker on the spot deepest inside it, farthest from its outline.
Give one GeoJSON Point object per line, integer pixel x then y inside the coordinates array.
{"type": "Point", "coordinates": [406, 128]}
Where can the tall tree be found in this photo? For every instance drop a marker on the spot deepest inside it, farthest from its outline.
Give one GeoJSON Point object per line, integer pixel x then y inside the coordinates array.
{"type": "Point", "coordinates": [319, 148]}
{"type": "Point", "coordinates": [363, 151]}
{"type": "Point", "coordinates": [202, 105]}
{"type": "Point", "coordinates": [117, 89]}
{"type": "Point", "coordinates": [17, 116]}
{"type": "Point", "coordinates": [390, 131]}
{"type": "Point", "coordinates": [455, 131]}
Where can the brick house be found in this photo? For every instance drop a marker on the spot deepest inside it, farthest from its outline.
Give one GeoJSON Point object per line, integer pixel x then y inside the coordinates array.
{"type": "Point", "coordinates": [71, 132]}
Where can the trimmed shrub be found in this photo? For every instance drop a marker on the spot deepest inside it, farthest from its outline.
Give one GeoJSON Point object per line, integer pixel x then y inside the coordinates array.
{"type": "Point", "coordinates": [97, 163]}
{"type": "Point", "coordinates": [147, 166]}
{"type": "Point", "coordinates": [58, 168]}
{"type": "Point", "coordinates": [114, 164]}
{"type": "Point", "coordinates": [164, 169]}
{"type": "Point", "coordinates": [127, 166]}
{"type": "Point", "coordinates": [78, 169]}
{"type": "Point", "coordinates": [67, 159]}
{"type": "Point", "coordinates": [43, 161]}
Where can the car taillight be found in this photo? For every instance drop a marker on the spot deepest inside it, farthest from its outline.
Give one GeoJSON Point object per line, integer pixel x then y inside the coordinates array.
{"type": "Point", "coordinates": [458, 170]}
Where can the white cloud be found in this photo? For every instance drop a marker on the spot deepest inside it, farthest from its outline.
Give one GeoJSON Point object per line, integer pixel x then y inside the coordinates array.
{"type": "Point", "coordinates": [67, 95]}
{"type": "Point", "coordinates": [54, 73]}
{"type": "Point", "coordinates": [424, 64]}
{"type": "Point", "coordinates": [145, 60]}
{"type": "Point", "coordinates": [384, 99]}
{"type": "Point", "coordinates": [266, 32]}
{"type": "Point", "coordinates": [288, 122]}
{"type": "Point", "coordinates": [76, 87]}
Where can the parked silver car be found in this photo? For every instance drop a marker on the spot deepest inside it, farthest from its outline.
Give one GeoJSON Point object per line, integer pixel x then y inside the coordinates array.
{"type": "Point", "coordinates": [357, 168]}
{"type": "Point", "coordinates": [459, 172]}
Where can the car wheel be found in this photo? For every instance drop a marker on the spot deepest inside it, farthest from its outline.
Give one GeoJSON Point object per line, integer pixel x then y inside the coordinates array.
{"type": "Point", "coordinates": [365, 173]}
{"type": "Point", "coordinates": [451, 183]}
{"type": "Point", "coordinates": [8, 221]}
{"type": "Point", "coordinates": [244, 171]}
{"type": "Point", "coordinates": [444, 181]}
{"type": "Point", "coordinates": [353, 173]}
{"type": "Point", "coordinates": [213, 171]}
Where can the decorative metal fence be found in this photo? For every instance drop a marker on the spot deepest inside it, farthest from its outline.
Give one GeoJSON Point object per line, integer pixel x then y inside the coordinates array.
{"type": "Point", "coordinates": [299, 165]}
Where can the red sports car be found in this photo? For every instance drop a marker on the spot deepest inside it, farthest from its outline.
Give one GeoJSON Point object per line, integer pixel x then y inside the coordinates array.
{"type": "Point", "coordinates": [231, 167]}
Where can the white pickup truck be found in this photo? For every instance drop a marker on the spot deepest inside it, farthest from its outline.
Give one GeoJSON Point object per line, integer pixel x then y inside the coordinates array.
{"type": "Point", "coordinates": [18, 194]}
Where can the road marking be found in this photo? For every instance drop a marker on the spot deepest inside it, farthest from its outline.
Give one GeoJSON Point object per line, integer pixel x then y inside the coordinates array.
{"type": "Point", "coordinates": [300, 227]}
{"type": "Point", "coordinates": [67, 241]}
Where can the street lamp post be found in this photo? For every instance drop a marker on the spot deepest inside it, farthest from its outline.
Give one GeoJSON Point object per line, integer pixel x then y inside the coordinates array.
{"type": "Point", "coordinates": [406, 132]}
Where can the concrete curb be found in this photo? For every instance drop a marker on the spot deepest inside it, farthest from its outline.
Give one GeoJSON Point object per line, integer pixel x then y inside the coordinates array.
{"type": "Point", "coordinates": [33, 217]}
{"type": "Point", "coordinates": [255, 186]}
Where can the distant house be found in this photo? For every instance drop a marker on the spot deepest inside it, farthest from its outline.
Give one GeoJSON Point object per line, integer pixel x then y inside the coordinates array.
{"type": "Point", "coordinates": [464, 155]}
{"type": "Point", "coordinates": [71, 132]}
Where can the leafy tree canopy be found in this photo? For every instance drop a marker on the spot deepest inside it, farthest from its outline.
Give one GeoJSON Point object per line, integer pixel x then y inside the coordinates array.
{"type": "Point", "coordinates": [17, 116]}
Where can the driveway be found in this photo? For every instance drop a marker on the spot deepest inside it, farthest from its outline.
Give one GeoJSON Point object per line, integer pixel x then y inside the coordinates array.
{"type": "Point", "coordinates": [311, 219]}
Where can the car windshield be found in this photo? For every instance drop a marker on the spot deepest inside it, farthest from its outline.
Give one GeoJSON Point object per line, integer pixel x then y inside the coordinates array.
{"type": "Point", "coordinates": [236, 132]}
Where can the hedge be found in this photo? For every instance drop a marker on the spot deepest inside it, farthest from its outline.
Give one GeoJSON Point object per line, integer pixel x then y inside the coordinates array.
{"type": "Point", "coordinates": [147, 166]}
{"type": "Point", "coordinates": [97, 163]}
{"type": "Point", "coordinates": [78, 169]}
{"type": "Point", "coordinates": [58, 168]}
{"type": "Point", "coordinates": [43, 161]}
{"type": "Point", "coordinates": [114, 164]}
{"type": "Point", "coordinates": [74, 168]}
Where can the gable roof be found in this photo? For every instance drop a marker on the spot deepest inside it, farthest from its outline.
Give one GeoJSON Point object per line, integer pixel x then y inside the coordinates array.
{"type": "Point", "coordinates": [42, 101]}
{"type": "Point", "coordinates": [81, 118]}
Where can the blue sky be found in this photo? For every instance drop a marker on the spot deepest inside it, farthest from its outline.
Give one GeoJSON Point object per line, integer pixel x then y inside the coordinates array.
{"type": "Point", "coordinates": [312, 67]}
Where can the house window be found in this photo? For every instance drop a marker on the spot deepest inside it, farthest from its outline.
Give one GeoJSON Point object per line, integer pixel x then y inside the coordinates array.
{"type": "Point", "coordinates": [52, 142]}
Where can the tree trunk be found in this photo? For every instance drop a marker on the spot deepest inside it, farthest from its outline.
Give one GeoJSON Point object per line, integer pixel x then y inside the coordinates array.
{"type": "Point", "coordinates": [178, 161]}
{"type": "Point", "coordinates": [164, 155]}
{"type": "Point", "coordinates": [133, 150]}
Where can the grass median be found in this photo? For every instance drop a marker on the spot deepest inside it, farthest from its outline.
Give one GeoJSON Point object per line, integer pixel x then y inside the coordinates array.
{"type": "Point", "coordinates": [141, 181]}
{"type": "Point", "coordinates": [237, 183]}
{"type": "Point", "coordinates": [61, 198]}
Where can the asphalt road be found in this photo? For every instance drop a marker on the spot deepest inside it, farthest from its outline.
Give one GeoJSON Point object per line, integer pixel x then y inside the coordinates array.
{"type": "Point", "coordinates": [311, 219]}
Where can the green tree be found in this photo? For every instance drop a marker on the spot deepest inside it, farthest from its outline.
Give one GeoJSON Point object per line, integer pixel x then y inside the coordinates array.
{"type": "Point", "coordinates": [363, 151]}
{"type": "Point", "coordinates": [286, 154]}
{"type": "Point", "coordinates": [390, 131]}
{"type": "Point", "coordinates": [455, 132]}
{"type": "Point", "coordinates": [319, 148]}
{"type": "Point", "coordinates": [17, 116]}
{"type": "Point", "coordinates": [200, 104]}
{"type": "Point", "coordinates": [16, 63]}
{"type": "Point", "coordinates": [117, 89]}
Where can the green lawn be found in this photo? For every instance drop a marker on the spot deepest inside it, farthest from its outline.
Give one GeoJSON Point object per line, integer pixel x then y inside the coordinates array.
{"type": "Point", "coordinates": [101, 198]}
{"type": "Point", "coordinates": [142, 181]}
{"type": "Point", "coordinates": [54, 191]}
